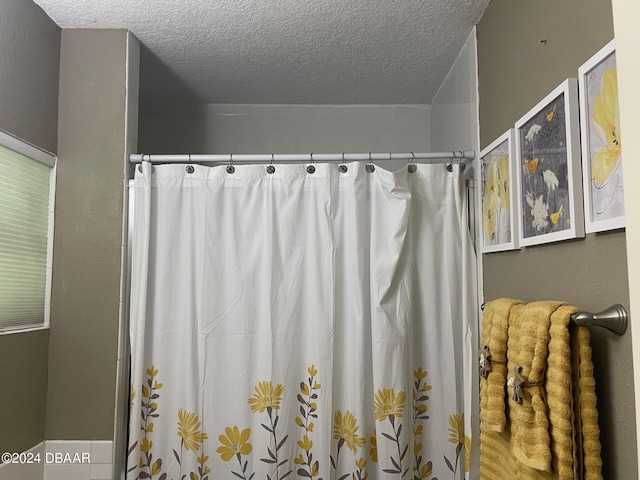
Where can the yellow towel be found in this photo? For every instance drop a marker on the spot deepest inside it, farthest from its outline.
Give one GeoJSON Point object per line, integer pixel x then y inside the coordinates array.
{"type": "Point", "coordinates": [495, 322]}
{"type": "Point", "coordinates": [569, 393]}
{"type": "Point", "coordinates": [529, 332]}
{"type": "Point", "coordinates": [588, 418]}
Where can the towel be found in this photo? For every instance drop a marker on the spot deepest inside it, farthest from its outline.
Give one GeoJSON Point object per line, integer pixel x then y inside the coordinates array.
{"type": "Point", "coordinates": [495, 323]}
{"type": "Point", "coordinates": [587, 421]}
{"type": "Point", "coordinates": [568, 448]}
{"type": "Point", "coordinates": [530, 328]}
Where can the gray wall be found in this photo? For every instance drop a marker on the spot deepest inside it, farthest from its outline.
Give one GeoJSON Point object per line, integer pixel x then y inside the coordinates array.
{"type": "Point", "coordinates": [208, 128]}
{"type": "Point", "coordinates": [29, 58]}
{"type": "Point", "coordinates": [86, 301]}
{"type": "Point", "coordinates": [515, 72]}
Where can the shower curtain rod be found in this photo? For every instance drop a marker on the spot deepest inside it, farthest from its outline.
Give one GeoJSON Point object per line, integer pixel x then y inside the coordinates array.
{"type": "Point", "coordinates": [460, 155]}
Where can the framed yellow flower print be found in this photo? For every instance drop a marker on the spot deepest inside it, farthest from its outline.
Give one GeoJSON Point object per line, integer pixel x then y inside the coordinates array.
{"type": "Point", "coordinates": [497, 191]}
{"type": "Point", "coordinates": [548, 169]}
{"type": "Point", "coordinates": [601, 142]}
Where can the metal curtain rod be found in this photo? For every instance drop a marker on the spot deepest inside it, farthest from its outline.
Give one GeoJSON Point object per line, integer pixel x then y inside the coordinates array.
{"type": "Point", "coordinates": [461, 155]}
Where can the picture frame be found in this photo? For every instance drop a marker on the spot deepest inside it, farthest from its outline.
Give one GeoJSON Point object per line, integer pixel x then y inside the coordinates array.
{"type": "Point", "coordinates": [549, 169]}
{"type": "Point", "coordinates": [498, 195]}
{"type": "Point", "coordinates": [601, 145]}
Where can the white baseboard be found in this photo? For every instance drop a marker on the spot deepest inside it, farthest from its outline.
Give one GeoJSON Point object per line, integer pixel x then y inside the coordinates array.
{"type": "Point", "coordinates": [63, 460]}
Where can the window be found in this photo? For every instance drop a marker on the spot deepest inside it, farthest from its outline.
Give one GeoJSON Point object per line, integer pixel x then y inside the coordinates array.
{"type": "Point", "coordinates": [27, 185]}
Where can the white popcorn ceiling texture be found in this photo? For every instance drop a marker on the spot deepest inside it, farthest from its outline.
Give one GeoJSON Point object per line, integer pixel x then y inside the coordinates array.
{"type": "Point", "coordinates": [285, 51]}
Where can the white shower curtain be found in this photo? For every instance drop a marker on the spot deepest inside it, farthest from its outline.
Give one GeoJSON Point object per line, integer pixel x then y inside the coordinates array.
{"type": "Point", "coordinates": [301, 325]}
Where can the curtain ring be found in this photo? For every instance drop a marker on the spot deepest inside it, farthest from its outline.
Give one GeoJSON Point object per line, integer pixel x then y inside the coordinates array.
{"type": "Point", "coordinates": [412, 166]}
{"type": "Point", "coordinates": [343, 167]}
{"type": "Point", "coordinates": [451, 159]}
{"type": "Point", "coordinates": [230, 167]}
{"type": "Point", "coordinates": [370, 167]}
{"type": "Point", "coordinates": [310, 168]}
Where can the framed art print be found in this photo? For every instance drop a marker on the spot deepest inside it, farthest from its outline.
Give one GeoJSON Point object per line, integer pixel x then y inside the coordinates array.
{"type": "Point", "coordinates": [497, 190]}
{"type": "Point", "coordinates": [548, 169]}
{"type": "Point", "coordinates": [600, 141]}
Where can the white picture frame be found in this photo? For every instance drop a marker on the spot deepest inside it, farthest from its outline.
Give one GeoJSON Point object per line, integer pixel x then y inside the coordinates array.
{"type": "Point", "coordinates": [601, 145]}
{"type": "Point", "coordinates": [549, 169]}
{"type": "Point", "coordinates": [498, 208]}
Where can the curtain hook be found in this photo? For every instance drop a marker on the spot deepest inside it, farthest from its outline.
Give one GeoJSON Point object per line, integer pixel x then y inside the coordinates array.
{"type": "Point", "coordinates": [370, 167]}
{"type": "Point", "coordinates": [230, 167]}
{"type": "Point", "coordinates": [343, 167]}
{"type": "Point", "coordinates": [310, 168]}
{"type": "Point", "coordinates": [270, 168]}
{"type": "Point", "coordinates": [461, 161]}
{"type": "Point", "coordinates": [412, 166]}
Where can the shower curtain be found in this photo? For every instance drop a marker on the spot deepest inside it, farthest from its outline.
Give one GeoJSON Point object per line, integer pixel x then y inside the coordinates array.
{"type": "Point", "coordinates": [293, 321]}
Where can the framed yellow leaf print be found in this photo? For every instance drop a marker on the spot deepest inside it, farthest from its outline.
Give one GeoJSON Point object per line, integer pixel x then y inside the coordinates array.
{"type": "Point", "coordinates": [497, 191]}
{"type": "Point", "coordinates": [548, 169]}
{"type": "Point", "coordinates": [601, 142]}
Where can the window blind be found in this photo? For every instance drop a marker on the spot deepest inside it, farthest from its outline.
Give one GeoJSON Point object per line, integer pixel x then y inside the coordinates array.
{"type": "Point", "coordinates": [24, 246]}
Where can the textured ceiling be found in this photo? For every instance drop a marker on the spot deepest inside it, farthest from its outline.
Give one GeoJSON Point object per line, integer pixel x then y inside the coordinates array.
{"type": "Point", "coordinates": [285, 51]}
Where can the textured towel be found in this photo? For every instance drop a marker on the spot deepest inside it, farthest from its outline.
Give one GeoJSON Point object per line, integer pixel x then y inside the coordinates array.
{"type": "Point", "coordinates": [495, 323]}
{"type": "Point", "coordinates": [569, 399]}
{"type": "Point", "coordinates": [528, 349]}
{"type": "Point", "coordinates": [587, 421]}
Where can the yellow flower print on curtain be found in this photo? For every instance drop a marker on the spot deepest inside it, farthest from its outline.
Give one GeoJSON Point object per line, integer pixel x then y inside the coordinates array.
{"type": "Point", "coordinates": [462, 441]}
{"type": "Point", "coordinates": [345, 431]}
{"type": "Point", "coordinates": [373, 451]}
{"type": "Point", "coordinates": [606, 116]}
{"type": "Point", "coordinates": [420, 397]}
{"type": "Point", "coordinates": [203, 469]}
{"type": "Point", "coordinates": [307, 398]}
{"type": "Point", "coordinates": [235, 443]}
{"type": "Point", "coordinates": [132, 397]}
{"type": "Point", "coordinates": [148, 467]}
{"type": "Point", "coordinates": [266, 397]}
{"type": "Point", "coordinates": [191, 437]}
{"type": "Point", "coordinates": [269, 398]}
{"type": "Point", "coordinates": [389, 405]}
{"type": "Point", "coordinates": [189, 430]}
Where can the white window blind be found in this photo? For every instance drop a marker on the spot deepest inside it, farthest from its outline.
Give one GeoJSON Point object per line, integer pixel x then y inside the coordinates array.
{"type": "Point", "coordinates": [24, 240]}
